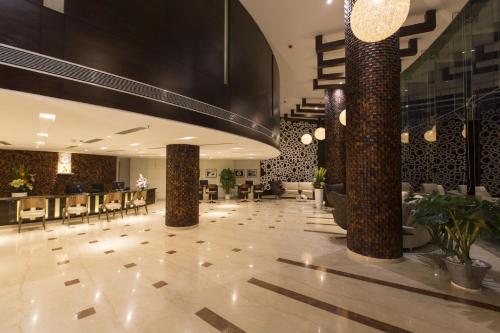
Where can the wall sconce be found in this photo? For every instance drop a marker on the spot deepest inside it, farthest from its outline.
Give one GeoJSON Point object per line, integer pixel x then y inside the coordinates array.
{"type": "Point", "coordinates": [64, 163]}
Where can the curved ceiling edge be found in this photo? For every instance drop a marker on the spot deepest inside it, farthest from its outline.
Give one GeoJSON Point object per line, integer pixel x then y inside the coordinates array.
{"type": "Point", "coordinates": [36, 62]}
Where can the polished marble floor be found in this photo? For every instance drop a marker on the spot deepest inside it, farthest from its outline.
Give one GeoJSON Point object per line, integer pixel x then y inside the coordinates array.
{"type": "Point", "coordinates": [275, 266]}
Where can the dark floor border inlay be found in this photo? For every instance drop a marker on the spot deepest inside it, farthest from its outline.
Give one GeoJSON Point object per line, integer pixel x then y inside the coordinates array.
{"type": "Point", "coordinates": [217, 322]}
{"type": "Point", "coordinates": [324, 232]}
{"type": "Point", "coordinates": [319, 217]}
{"type": "Point", "coordinates": [354, 316]}
{"type": "Point", "coordinates": [329, 224]}
{"type": "Point", "coordinates": [420, 291]}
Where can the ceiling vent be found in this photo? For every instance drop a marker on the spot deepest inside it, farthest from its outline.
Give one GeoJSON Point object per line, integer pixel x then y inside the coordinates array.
{"type": "Point", "coordinates": [92, 141]}
{"type": "Point", "coordinates": [71, 147]}
{"type": "Point", "coordinates": [133, 130]}
{"type": "Point", "coordinates": [5, 143]}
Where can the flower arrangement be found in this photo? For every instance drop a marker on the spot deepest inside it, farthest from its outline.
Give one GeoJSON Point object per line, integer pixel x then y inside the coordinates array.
{"type": "Point", "coordinates": [319, 179]}
{"type": "Point", "coordinates": [23, 181]}
{"type": "Point", "coordinates": [142, 182]}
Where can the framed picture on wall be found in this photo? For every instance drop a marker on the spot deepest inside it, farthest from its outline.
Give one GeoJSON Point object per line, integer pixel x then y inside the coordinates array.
{"type": "Point", "coordinates": [252, 173]}
{"type": "Point", "coordinates": [239, 173]}
{"type": "Point", "coordinates": [210, 173]}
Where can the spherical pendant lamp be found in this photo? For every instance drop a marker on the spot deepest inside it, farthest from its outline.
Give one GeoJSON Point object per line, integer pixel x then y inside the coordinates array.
{"type": "Point", "coordinates": [319, 133]}
{"type": "Point", "coordinates": [431, 135]}
{"type": "Point", "coordinates": [376, 20]}
{"type": "Point", "coordinates": [306, 139]}
{"type": "Point", "coordinates": [464, 132]}
{"type": "Point", "coordinates": [342, 118]}
{"type": "Point", "coordinates": [405, 137]}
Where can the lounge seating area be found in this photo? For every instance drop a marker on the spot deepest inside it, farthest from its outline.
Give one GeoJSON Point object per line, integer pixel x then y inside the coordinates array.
{"type": "Point", "coordinates": [293, 189]}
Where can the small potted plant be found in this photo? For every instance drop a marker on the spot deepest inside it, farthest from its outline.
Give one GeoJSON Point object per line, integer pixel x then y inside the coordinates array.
{"type": "Point", "coordinates": [319, 185]}
{"type": "Point", "coordinates": [228, 181]}
{"type": "Point", "coordinates": [22, 183]}
{"type": "Point", "coordinates": [142, 183]}
{"type": "Point", "coordinates": [455, 223]}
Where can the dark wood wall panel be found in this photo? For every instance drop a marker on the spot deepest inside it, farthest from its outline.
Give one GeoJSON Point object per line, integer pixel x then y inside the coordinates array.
{"type": "Point", "coordinates": [88, 169]}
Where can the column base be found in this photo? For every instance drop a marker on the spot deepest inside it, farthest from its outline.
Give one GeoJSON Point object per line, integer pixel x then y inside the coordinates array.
{"type": "Point", "coordinates": [182, 228]}
{"type": "Point", "coordinates": [365, 259]}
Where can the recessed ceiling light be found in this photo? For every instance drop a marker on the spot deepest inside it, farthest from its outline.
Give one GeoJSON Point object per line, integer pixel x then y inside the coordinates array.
{"type": "Point", "coordinates": [103, 148]}
{"type": "Point", "coordinates": [203, 154]}
{"type": "Point", "coordinates": [42, 135]}
{"type": "Point", "coordinates": [329, 2]}
{"type": "Point", "coordinates": [252, 154]}
{"type": "Point", "coordinates": [135, 144]}
{"type": "Point", "coordinates": [39, 143]}
{"type": "Point", "coordinates": [86, 150]}
{"type": "Point", "coordinates": [47, 116]}
{"type": "Point", "coordinates": [109, 136]}
{"type": "Point", "coordinates": [186, 138]}
{"type": "Point", "coordinates": [237, 148]}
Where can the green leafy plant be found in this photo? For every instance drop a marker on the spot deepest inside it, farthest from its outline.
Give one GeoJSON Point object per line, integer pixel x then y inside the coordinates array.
{"type": "Point", "coordinates": [228, 180]}
{"type": "Point", "coordinates": [455, 222]}
{"type": "Point", "coordinates": [23, 181]}
{"type": "Point", "coordinates": [319, 178]}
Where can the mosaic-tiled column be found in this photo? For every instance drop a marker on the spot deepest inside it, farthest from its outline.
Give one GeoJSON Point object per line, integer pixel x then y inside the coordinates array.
{"type": "Point", "coordinates": [335, 153]}
{"type": "Point", "coordinates": [181, 200]}
{"type": "Point", "coordinates": [373, 145]}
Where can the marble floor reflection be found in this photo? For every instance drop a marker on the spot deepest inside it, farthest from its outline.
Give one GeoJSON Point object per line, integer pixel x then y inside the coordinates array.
{"type": "Point", "coordinates": [274, 266]}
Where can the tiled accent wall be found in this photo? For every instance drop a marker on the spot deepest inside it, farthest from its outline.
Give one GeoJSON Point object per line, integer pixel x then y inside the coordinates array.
{"type": "Point", "coordinates": [183, 168]}
{"type": "Point", "coordinates": [297, 161]}
{"type": "Point", "coordinates": [88, 169]}
{"type": "Point", "coordinates": [335, 153]}
{"type": "Point", "coordinates": [373, 145]}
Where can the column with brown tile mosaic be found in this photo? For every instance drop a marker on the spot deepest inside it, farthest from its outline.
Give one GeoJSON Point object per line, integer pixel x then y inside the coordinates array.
{"type": "Point", "coordinates": [373, 145]}
{"type": "Point", "coordinates": [335, 153]}
{"type": "Point", "coordinates": [181, 199]}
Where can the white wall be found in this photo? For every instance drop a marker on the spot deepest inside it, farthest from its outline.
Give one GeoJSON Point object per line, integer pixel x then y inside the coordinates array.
{"type": "Point", "coordinates": [153, 169]}
{"type": "Point", "coordinates": [155, 172]}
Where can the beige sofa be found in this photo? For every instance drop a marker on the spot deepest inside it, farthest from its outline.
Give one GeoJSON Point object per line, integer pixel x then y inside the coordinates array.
{"type": "Point", "coordinates": [292, 189]}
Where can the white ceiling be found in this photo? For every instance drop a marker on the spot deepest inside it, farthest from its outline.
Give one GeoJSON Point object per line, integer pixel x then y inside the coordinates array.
{"type": "Point", "coordinates": [76, 122]}
{"type": "Point", "coordinates": [297, 22]}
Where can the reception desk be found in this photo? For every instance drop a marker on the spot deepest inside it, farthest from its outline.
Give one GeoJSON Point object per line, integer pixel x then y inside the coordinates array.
{"type": "Point", "coordinates": [9, 207]}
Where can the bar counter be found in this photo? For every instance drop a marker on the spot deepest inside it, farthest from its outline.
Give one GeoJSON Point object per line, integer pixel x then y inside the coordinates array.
{"type": "Point", "coordinates": [55, 204]}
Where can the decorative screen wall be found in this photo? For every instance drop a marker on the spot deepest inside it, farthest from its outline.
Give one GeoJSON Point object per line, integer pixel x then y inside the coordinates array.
{"type": "Point", "coordinates": [297, 161]}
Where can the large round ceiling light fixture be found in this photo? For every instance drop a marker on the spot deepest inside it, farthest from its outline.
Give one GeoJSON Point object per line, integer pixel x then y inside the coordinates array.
{"type": "Point", "coordinates": [405, 137]}
{"type": "Point", "coordinates": [319, 133]}
{"type": "Point", "coordinates": [342, 118]}
{"type": "Point", "coordinates": [431, 135]}
{"type": "Point", "coordinates": [376, 20]}
{"type": "Point", "coordinates": [306, 139]}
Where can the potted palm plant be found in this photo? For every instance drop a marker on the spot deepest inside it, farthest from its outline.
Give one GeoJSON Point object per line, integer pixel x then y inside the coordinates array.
{"type": "Point", "coordinates": [22, 183]}
{"type": "Point", "coordinates": [228, 181]}
{"type": "Point", "coordinates": [319, 185]}
{"type": "Point", "coordinates": [455, 223]}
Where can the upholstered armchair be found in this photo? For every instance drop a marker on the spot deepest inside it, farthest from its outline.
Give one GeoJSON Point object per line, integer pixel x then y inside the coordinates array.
{"type": "Point", "coordinates": [139, 199]}
{"type": "Point", "coordinates": [31, 209]}
{"type": "Point", "coordinates": [76, 205]}
{"type": "Point", "coordinates": [112, 202]}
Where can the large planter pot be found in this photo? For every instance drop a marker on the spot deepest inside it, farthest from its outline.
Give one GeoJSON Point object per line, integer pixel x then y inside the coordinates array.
{"type": "Point", "coordinates": [318, 197]}
{"type": "Point", "coordinates": [227, 196]}
{"type": "Point", "coordinates": [468, 277]}
{"type": "Point", "coordinates": [19, 194]}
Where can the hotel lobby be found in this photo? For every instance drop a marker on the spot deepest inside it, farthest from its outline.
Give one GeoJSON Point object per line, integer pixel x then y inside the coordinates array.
{"type": "Point", "coordinates": [250, 166]}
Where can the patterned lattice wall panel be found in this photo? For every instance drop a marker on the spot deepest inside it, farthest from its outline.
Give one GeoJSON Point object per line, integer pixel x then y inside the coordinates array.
{"type": "Point", "coordinates": [490, 151]}
{"type": "Point", "coordinates": [297, 161]}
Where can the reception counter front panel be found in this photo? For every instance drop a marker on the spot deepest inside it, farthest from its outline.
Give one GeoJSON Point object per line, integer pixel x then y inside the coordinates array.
{"type": "Point", "coordinates": [9, 207]}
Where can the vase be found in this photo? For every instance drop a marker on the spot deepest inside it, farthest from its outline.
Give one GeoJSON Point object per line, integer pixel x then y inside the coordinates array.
{"type": "Point", "coordinates": [19, 194]}
{"type": "Point", "coordinates": [318, 197]}
{"type": "Point", "coordinates": [227, 196]}
{"type": "Point", "coordinates": [467, 276]}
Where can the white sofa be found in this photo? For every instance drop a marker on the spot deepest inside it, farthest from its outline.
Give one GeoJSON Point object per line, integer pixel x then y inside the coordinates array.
{"type": "Point", "coordinates": [292, 189]}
